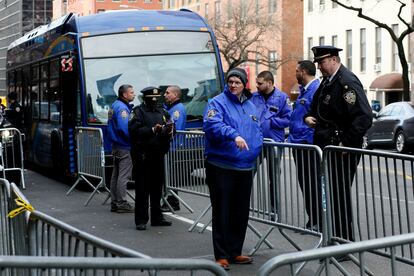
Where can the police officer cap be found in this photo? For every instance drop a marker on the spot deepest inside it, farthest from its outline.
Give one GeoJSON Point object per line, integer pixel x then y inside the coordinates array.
{"type": "Point", "coordinates": [239, 73]}
{"type": "Point", "coordinates": [151, 91]}
{"type": "Point", "coordinates": [321, 52]}
{"type": "Point", "coordinates": [12, 96]}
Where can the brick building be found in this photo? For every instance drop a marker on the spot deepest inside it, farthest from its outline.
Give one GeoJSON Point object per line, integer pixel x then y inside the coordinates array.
{"type": "Point", "coordinates": [85, 7]}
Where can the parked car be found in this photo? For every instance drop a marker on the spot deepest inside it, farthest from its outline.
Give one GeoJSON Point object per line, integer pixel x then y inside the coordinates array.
{"type": "Point", "coordinates": [393, 126]}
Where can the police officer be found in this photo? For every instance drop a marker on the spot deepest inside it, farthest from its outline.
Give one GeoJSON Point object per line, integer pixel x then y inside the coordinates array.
{"type": "Point", "coordinates": [340, 114]}
{"type": "Point", "coordinates": [178, 114]}
{"type": "Point", "coordinates": [233, 142]}
{"type": "Point", "coordinates": [118, 135]}
{"type": "Point", "coordinates": [151, 130]}
{"type": "Point", "coordinates": [14, 113]}
{"type": "Point", "coordinates": [300, 133]}
{"type": "Point", "coordinates": [274, 116]}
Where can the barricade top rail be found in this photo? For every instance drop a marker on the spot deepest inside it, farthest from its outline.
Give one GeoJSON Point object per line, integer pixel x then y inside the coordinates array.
{"type": "Point", "coordinates": [333, 251]}
{"type": "Point", "coordinates": [110, 263]}
{"type": "Point", "coordinates": [98, 242]}
{"type": "Point", "coordinates": [191, 131]}
{"type": "Point", "coordinates": [270, 142]}
{"type": "Point", "coordinates": [5, 183]}
{"type": "Point", "coordinates": [376, 153]}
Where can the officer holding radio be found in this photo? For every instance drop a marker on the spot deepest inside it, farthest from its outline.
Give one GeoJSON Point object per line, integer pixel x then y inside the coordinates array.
{"type": "Point", "coordinates": [151, 130]}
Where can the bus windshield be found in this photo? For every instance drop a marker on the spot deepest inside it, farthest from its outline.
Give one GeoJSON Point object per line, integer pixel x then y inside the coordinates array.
{"type": "Point", "coordinates": [185, 59]}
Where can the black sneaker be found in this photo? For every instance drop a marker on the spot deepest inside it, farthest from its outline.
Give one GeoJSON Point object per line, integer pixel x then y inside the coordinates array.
{"type": "Point", "coordinates": [114, 206]}
{"type": "Point", "coordinates": [141, 227]}
{"type": "Point", "coordinates": [124, 207]}
{"type": "Point", "coordinates": [162, 222]}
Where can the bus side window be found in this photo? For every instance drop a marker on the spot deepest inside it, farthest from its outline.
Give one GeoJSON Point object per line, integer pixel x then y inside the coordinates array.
{"type": "Point", "coordinates": [55, 94]}
{"type": "Point", "coordinates": [34, 91]}
{"type": "Point", "coordinates": [44, 100]}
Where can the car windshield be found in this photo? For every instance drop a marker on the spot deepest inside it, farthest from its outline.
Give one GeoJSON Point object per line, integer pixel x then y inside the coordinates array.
{"type": "Point", "coordinates": [196, 73]}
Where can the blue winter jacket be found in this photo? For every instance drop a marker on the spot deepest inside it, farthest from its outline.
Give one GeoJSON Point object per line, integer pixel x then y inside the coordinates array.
{"type": "Point", "coordinates": [118, 117]}
{"type": "Point", "coordinates": [274, 114]}
{"type": "Point", "coordinates": [299, 132]}
{"type": "Point", "coordinates": [226, 118]}
{"type": "Point", "coordinates": [178, 114]}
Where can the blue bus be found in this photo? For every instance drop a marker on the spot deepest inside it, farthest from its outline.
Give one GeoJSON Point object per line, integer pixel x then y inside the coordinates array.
{"type": "Point", "coordinates": [67, 73]}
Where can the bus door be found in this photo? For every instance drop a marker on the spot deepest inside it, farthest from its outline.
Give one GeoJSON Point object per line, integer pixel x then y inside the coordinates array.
{"type": "Point", "coordinates": [69, 86]}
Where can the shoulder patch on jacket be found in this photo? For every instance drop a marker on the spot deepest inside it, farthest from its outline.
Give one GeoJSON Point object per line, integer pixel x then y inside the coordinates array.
{"type": "Point", "coordinates": [211, 113]}
{"type": "Point", "coordinates": [124, 114]}
{"type": "Point", "coordinates": [176, 114]}
{"type": "Point", "coordinates": [350, 97]}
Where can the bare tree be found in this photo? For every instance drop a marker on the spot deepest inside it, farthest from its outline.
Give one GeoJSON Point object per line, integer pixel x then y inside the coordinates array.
{"type": "Point", "coordinates": [244, 30]}
{"type": "Point", "coordinates": [397, 39]}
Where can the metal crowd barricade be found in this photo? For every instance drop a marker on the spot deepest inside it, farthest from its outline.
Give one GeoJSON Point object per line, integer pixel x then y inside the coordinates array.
{"type": "Point", "coordinates": [42, 245]}
{"type": "Point", "coordinates": [286, 185]}
{"type": "Point", "coordinates": [107, 266]}
{"type": "Point", "coordinates": [359, 252]}
{"type": "Point", "coordinates": [185, 168]}
{"type": "Point", "coordinates": [11, 154]}
{"type": "Point", "coordinates": [379, 200]}
{"type": "Point", "coordinates": [90, 160]}
{"type": "Point", "coordinates": [5, 243]}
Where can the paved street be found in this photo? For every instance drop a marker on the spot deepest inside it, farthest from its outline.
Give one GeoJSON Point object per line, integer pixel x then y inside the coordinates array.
{"type": "Point", "coordinates": [48, 196]}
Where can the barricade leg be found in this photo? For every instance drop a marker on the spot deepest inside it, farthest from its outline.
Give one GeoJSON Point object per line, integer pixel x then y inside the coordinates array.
{"type": "Point", "coordinates": [263, 238]}
{"type": "Point", "coordinates": [96, 190]}
{"type": "Point", "coordinates": [80, 177]}
{"type": "Point", "coordinates": [199, 218]}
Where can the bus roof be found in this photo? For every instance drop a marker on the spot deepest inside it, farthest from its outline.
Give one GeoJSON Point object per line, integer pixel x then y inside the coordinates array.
{"type": "Point", "coordinates": [120, 21]}
{"type": "Point", "coordinates": [138, 19]}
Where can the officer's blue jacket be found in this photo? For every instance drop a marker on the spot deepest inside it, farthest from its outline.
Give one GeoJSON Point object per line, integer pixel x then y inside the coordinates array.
{"type": "Point", "coordinates": [226, 118]}
{"type": "Point", "coordinates": [274, 114]}
{"type": "Point", "coordinates": [178, 114]}
{"type": "Point", "coordinates": [118, 117]}
{"type": "Point", "coordinates": [299, 132]}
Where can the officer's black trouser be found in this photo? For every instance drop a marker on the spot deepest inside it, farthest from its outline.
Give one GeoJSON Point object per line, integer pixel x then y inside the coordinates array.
{"type": "Point", "coordinates": [230, 201]}
{"type": "Point", "coordinates": [149, 179]}
{"type": "Point", "coordinates": [308, 171]}
{"type": "Point", "coordinates": [342, 168]}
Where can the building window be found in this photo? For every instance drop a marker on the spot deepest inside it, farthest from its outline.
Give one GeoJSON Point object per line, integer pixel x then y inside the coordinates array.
{"type": "Point", "coordinates": [378, 45]}
{"type": "Point", "coordinates": [116, 0]}
{"type": "Point", "coordinates": [217, 10]}
{"type": "Point", "coordinates": [335, 40]}
{"type": "Point", "coordinates": [100, 10]}
{"type": "Point", "coordinates": [272, 61]}
{"type": "Point", "coordinates": [272, 6]}
{"type": "Point", "coordinates": [363, 50]}
{"type": "Point", "coordinates": [310, 5]}
{"type": "Point", "coordinates": [258, 58]}
{"type": "Point", "coordinates": [310, 45]}
{"type": "Point", "coordinates": [229, 11]}
{"type": "Point", "coordinates": [321, 40]}
{"type": "Point", "coordinates": [349, 49]}
{"type": "Point", "coordinates": [395, 57]}
{"type": "Point", "coordinates": [321, 5]}
{"type": "Point", "coordinates": [206, 10]}
{"type": "Point", "coordinates": [147, 1]}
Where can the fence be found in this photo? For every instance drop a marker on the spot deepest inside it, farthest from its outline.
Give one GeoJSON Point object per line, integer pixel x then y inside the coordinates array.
{"type": "Point", "coordinates": [186, 173]}
{"type": "Point", "coordinates": [378, 199]}
{"type": "Point", "coordinates": [47, 246]}
{"type": "Point", "coordinates": [106, 266]}
{"type": "Point", "coordinates": [90, 160]}
{"type": "Point", "coordinates": [326, 259]}
{"type": "Point", "coordinates": [11, 155]}
{"type": "Point", "coordinates": [298, 188]}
